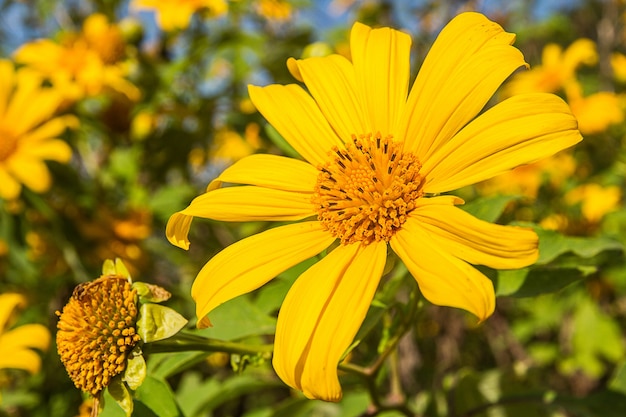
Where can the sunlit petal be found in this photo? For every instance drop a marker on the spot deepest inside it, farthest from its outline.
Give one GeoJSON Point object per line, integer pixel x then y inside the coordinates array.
{"type": "Point", "coordinates": [521, 129]}
{"type": "Point", "coordinates": [321, 315]}
{"type": "Point", "coordinates": [8, 303]}
{"type": "Point", "coordinates": [296, 116]}
{"type": "Point", "coordinates": [476, 241]}
{"type": "Point", "coordinates": [442, 278]}
{"type": "Point", "coordinates": [253, 261]}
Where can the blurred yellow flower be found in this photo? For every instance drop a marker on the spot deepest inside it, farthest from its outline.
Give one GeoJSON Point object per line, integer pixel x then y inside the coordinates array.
{"type": "Point", "coordinates": [275, 10]}
{"type": "Point", "coordinates": [595, 200]}
{"type": "Point", "coordinates": [595, 112]}
{"type": "Point", "coordinates": [176, 14]}
{"type": "Point", "coordinates": [83, 64]}
{"type": "Point", "coordinates": [376, 158]}
{"type": "Point", "coordinates": [556, 69]}
{"type": "Point", "coordinates": [525, 180]}
{"type": "Point", "coordinates": [618, 64]}
{"type": "Point", "coordinates": [16, 345]}
{"type": "Point", "coordinates": [28, 131]}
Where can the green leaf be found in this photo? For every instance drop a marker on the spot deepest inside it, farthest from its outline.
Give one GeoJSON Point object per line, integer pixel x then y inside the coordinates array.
{"type": "Point", "coordinates": [489, 208]}
{"type": "Point", "coordinates": [604, 403]}
{"type": "Point", "coordinates": [157, 322]}
{"type": "Point", "coordinates": [135, 372]}
{"type": "Point", "coordinates": [553, 244]}
{"type": "Point", "coordinates": [238, 318]}
{"type": "Point", "coordinates": [618, 381]}
{"type": "Point", "coordinates": [120, 394]}
{"type": "Point", "coordinates": [530, 282]}
{"type": "Point", "coordinates": [164, 365]}
{"type": "Point", "coordinates": [156, 395]}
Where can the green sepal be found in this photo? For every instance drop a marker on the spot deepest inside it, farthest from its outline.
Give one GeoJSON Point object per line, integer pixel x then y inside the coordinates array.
{"type": "Point", "coordinates": [136, 369]}
{"type": "Point", "coordinates": [108, 268]}
{"type": "Point", "coordinates": [120, 393]}
{"type": "Point", "coordinates": [150, 293]}
{"type": "Point", "coordinates": [157, 322]}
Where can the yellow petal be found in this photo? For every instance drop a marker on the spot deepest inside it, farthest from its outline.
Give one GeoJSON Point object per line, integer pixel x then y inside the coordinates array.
{"type": "Point", "coordinates": [7, 76]}
{"type": "Point", "coordinates": [25, 359]}
{"type": "Point", "coordinates": [271, 171]}
{"type": "Point", "coordinates": [177, 229]}
{"type": "Point", "coordinates": [296, 116]}
{"type": "Point", "coordinates": [27, 336]}
{"type": "Point", "coordinates": [322, 313]}
{"type": "Point", "coordinates": [331, 81]}
{"type": "Point", "coordinates": [8, 303]}
{"type": "Point", "coordinates": [51, 129]}
{"type": "Point", "coordinates": [442, 278]}
{"type": "Point", "coordinates": [520, 130]}
{"type": "Point", "coordinates": [50, 150]}
{"type": "Point", "coordinates": [9, 187]}
{"type": "Point", "coordinates": [381, 59]}
{"type": "Point", "coordinates": [250, 203]}
{"type": "Point", "coordinates": [476, 241]}
{"type": "Point", "coordinates": [248, 264]}
{"type": "Point", "coordinates": [31, 172]}
{"type": "Point", "coordinates": [454, 83]}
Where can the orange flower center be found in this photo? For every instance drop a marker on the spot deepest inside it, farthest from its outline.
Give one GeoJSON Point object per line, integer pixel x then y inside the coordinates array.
{"type": "Point", "coordinates": [8, 144]}
{"type": "Point", "coordinates": [366, 191]}
{"type": "Point", "coordinates": [96, 331]}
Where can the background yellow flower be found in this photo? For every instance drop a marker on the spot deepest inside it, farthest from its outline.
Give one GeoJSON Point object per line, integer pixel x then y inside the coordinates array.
{"type": "Point", "coordinates": [176, 14]}
{"type": "Point", "coordinates": [29, 131]}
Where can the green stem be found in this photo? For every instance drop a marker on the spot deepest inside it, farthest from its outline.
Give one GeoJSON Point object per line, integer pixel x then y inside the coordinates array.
{"type": "Point", "coordinates": [183, 342]}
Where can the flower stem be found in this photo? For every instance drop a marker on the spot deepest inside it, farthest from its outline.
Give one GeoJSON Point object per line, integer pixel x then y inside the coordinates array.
{"type": "Point", "coordinates": [183, 342]}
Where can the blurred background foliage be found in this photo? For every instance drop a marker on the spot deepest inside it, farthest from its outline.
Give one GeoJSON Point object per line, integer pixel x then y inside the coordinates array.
{"type": "Point", "coordinates": [157, 99]}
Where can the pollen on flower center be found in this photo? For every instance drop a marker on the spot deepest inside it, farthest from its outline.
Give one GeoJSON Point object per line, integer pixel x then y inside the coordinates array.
{"type": "Point", "coordinates": [96, 332]}
{"type": "Point", "coordinates": [8, 144]}
{"type": "Point", "coordinates": [366, 191]}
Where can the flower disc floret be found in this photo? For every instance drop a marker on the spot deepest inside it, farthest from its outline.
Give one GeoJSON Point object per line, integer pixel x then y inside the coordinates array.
{"type": "Point", "coordinates": [96, 331]}
{"type": "Point", "coordinates": [366, 191]}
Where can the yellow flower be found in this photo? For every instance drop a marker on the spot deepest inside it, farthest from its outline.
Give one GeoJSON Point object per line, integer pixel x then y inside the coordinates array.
{"type": "Point", "coordinates": [28, 131]}
{"type": "Point", "coordinates": [595, 200]}
{"type": "Point", "coordinates": [376, 159]}
{"type": "Point", "coordinates": [596, 112]}
{"type": "Point", "coordinates": [275, 10]}
{"type": "Point", "coordinates": [557, 68]}
{"type": "Point", "coordinates": [84, 64]}
{"type": "Point", "coordinates": [176, 14]}
{"type": "Point", "coordinates": [16, 345]}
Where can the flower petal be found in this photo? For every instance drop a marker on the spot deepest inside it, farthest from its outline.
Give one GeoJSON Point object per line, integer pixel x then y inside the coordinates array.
{"type": "Point", "coordinates": [476, 241]}
{"type": "Point", "coordinates": [32, 172]}
{"type": "Point", "coordinates": [381, 59]}
{"type": "Point", "coordinates": [27, 336]}
{"type": "Point", "coordinates": [7, 75]}
{"type": "Point", "coordinates": [177, 229]}
{"type": "Point", "coordinates": [9, 187]}
{"type": "Point", "coordinates": [51, 150]}
{"type": "Point", "coordinates": [248, 264]}
{"type": "Point", "coordinates": [24, 359]}
{"type": "Point", "coordinates": [469, 59]}
{"type": "Point", "coordinates": [521, 129]}
{"type": "Point", "coordinates": [331, 81]}
{"type": "Point", "coordinates": [296, 116]}
{"type": "Point", "coordinates": [8, 303]}
{"type": "Point", "coordinates": [270, 171]}
{"type": "Point", "coordinates": [251, 203]}
{"type": "Point", "coordinates": [322, 313]}
{"type": "Point", "coordinates": [442, 278]}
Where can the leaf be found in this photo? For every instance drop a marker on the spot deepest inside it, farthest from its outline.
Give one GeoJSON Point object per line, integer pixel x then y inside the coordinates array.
{"type": "Point", "coordinates": [604, 403]}
{"type": "Point", "coordinates": [120, 394]}
{"type": "Point", "coordinates": [150, 293]}
{"type": "Point", "coordinates": [530, 282]}
{"type": "Point", "coordinates": [489, 208]}
{"type": "Point", "coordinates": [618, 381]}
{"type": "Point", "coordinates": [553, 244]}
{"type": "Point", "coordinates": [157, 396]}
{"type": "Point", "coordinates": [157, 322]}
{"type": "Point", "coordinates": [135, 372]}
{"type": "Point", "coordinates": [164, 365]}
{"type": "Point", "coordinates": [237, 319]}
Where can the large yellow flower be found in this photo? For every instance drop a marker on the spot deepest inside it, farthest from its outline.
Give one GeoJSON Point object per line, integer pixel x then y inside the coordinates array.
{"type": "Point", "coordinates": [85, 63]}
{"type": "Point", "coordinates": [16, 345]}
{"type": "Point", "coordinates": [376, 159]}
{"type": "Point", "coordinates": [28, 131]}
{"type": "Point", "coordinates": [176, 14]}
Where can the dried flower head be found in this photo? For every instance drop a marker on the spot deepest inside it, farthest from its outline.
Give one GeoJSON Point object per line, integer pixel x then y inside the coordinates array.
{"type": "Point", "coordinates": [96, 331]}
